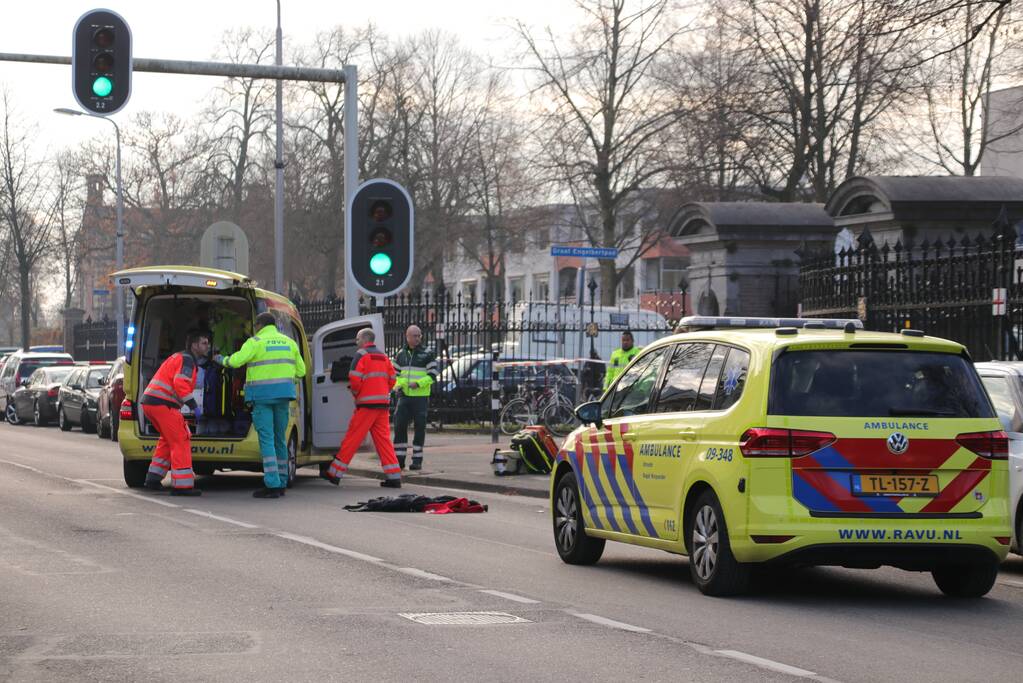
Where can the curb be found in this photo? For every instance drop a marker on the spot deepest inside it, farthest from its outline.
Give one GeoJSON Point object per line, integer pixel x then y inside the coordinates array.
{"type": "Point", "coordinates": [441, 481]}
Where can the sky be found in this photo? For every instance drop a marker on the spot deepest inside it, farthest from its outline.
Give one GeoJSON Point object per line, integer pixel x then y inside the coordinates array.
{"type": "Point", "coordinates": [191, 30]}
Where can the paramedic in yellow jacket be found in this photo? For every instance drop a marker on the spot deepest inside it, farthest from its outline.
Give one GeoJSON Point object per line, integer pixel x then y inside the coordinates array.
{"type": "Point", "coordinates": [417, 372]}
{"type": "Point", "coordinates": [620, 358]}
{"type": "Point", "coordinates": [273, 362]}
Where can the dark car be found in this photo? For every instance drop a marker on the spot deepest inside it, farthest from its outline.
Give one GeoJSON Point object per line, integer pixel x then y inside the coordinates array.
{"type": "Point", "coordinates": [468, 376]}
{"type": "Point", "coordinates": [108, 403]}
{"type": "Point", "coordinates": [76, 400]}
{"type": "Point", "coordinates": [36, 398]}
{"type": "Point", "coordinates": [17, 368]}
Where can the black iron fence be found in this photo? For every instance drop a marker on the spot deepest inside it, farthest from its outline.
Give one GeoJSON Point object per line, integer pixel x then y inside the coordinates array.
{"type": "Point", "coordinates": [95, 340]}
{"type": "Point", "coordinates": [965, 288]}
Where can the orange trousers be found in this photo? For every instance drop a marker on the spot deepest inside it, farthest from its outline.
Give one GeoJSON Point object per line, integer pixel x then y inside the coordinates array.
{"type": "Point", "coordinates": [173, 450]}
{"type": "Point", "coordinates": [375, 422]}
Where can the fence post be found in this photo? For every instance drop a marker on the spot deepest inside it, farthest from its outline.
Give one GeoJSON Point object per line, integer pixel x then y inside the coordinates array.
{"type": "Point", "coordinates": [495, 401]}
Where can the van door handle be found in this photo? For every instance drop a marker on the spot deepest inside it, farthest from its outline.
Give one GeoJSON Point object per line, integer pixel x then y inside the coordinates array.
{"type": "Point", "coordinates": [688, 434]}
{"type": "Point", "coordinates": [629, 436]}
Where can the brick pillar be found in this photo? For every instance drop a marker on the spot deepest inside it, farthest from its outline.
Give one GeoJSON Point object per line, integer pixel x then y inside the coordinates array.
{"type": "Point", "coordinates": [72, 316]}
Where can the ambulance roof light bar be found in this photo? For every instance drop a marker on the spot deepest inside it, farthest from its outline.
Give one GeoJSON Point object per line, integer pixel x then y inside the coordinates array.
{"type": "Point", "coordinates": [705, 322]}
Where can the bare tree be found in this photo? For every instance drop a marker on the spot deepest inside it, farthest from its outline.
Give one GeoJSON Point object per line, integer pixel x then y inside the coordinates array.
{"type": "Point", "coordinates": [66, 187]}
{"type": "Point", "coordinates": [22, 208]}
{"type": "Point", "coordinates": [956, 85]}
{"type": "Point", "coordinates": [605, 115]}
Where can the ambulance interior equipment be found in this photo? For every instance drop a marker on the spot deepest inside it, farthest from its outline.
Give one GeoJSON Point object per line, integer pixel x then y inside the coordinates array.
{"type": "Point", "coordinates": [219, 392]}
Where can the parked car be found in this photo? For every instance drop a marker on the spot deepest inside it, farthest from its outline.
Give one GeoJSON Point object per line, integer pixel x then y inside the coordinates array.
{"type": "Point", "coordinates": [108, 402]}
{"type": "Point", "coordinates": [19, 366]}
{"type": "Point", "coordinates": [468, 376]}
{"type": "Point", "coordinates": [36, 398]}
{"type": "Point", "coordinates": [1004, 384]}
{"type": "Point", "coordinates": [76, 400]}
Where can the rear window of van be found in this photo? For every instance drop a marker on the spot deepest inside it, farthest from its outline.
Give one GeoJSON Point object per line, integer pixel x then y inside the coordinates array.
{"type": "Point", "coordinates": [838, 383]}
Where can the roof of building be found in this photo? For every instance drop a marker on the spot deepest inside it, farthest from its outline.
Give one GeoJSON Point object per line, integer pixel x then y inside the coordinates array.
{"type": "Point", "coordinates": [873, 194]}
{"type": "Point", "coordinates": [750, 216]}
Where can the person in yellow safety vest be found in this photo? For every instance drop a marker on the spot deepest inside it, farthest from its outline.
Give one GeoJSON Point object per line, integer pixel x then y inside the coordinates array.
{"type": "Point", "coordinates": [620, 358]}
{"type": "Point", "coordinates": [417, 371]}
{"type": "Point", "coordinates": [273, 363]}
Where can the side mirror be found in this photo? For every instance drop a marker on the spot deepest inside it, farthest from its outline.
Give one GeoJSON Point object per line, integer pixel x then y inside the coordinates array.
{"type": "Point", "coordinates": [102, 381]}
{"type": "Point", "coordinates": [76, 387]}
{"type": "Point", "coordinates": [589, 413]}
{"type": "Point", "coordinates": [24, 383]}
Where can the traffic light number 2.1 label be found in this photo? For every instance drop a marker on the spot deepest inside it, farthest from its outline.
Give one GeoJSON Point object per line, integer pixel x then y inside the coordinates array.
{"type": "Point", "coordinates": [379, 282]}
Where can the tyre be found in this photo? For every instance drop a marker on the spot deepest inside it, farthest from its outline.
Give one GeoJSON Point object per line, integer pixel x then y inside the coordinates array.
{"type": "Point", "coordinates": [11, 413]}
{"type": "Point", "coordinates": [714, 569]}
{"type": "Point", "coordinates": [88, 423]}
{"type": "Point", "coordinates": [570, 538]}
{"type": "Point", "coordinates": [37, 415]}
{"type": "Point", "coordinates": [115, 424]}
{"type": "Point", "coordinates": [62, 421]}
{"type": "Point", "coordinates": [966, 580]}
{"type": "Point", "coordinates": [135, 473]}
{"type": "Point", "coordinates": [515, 415]}
{"type": "Point", "coordinates": [292, 459]}
{"type": "Point", "coordinates": [103, 429]}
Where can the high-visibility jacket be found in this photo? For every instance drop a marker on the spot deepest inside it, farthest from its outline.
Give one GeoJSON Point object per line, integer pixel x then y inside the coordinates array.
{"type": "Point", "coordinates": [173, 383]}
{"type": "Point", "coordinates": [372, 377]}
{"type": "Point", "coordinates": [272, 364]}
{"type": "Point", "coordinates": [415, 365]}
{"type": "Point", "coordinates": [619, 359]}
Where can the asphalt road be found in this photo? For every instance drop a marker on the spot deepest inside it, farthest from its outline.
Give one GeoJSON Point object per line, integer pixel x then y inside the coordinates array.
{"type": "Point", "coordinates": [101, 583]}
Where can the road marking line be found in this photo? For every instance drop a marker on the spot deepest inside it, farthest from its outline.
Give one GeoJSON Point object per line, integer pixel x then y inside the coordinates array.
{"type": "Point", "coordinates": [422, 574]}
{"type": "Point", "coordinates": [305, 540]}
{"type": "Point", "coordinates": [24, 467]}
{"type": "Point", "coordinates": [604, 621]}
{"type": "Point", "coordinates": [148, 499]}
{"type": "Point", "coordinates": [228, 520]}
{"type": "Point", "coordinates": [511, 596]}
{"type": "Point", "coordinates": [765, 663]}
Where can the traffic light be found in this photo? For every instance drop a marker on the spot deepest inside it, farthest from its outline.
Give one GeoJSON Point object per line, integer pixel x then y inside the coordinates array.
{"type": "Point", "coordinates": [379, 236]}
{"type": "Point", "coordinates": [101, 62]}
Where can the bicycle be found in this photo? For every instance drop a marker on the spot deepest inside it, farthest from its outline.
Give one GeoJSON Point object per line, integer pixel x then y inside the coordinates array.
{"type": "Point", "coordinates": [550, 407]}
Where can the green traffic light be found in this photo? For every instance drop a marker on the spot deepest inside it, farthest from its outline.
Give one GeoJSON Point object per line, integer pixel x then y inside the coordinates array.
{"type": "Point", "coordinates": [380, 264]}
{"type": "Point", "coordinates": [102, 86]}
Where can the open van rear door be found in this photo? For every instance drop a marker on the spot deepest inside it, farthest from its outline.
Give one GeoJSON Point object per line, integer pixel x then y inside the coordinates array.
{"type": "Point", "coordinates": [333, 404]}
{"type": "Point", "coordinates": [182, 276]}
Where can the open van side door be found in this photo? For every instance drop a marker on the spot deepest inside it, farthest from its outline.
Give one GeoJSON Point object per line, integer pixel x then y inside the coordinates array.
{"type": "Point", "coordinates": [333, 403]}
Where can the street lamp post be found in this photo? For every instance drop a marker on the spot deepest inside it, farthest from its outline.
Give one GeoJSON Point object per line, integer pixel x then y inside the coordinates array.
{"type": "Point", "coordinates": [592, 286]}
{"type": "Point", "coordinates": [279, 166]}
{"type": "Point", "coordinates": [683, 285]}
{"type": "Point", "coordinates": [119, 241]}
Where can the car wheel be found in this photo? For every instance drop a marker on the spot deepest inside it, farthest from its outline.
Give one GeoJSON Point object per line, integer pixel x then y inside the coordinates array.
{"type": "Point", "coordinates": [37, 415]}
{"type": "Point", "coordinates": [204, 470]}
{"type": "Point", "coordinates": [115, 424]}
{"type": "Point", "coordinates": [714, 569]}
{"type": "Point", "coordinates": [966, 580]}
{"type": "Point", "coordinates": [62, 421]}
{"type": "Point", "coordinates": [11, 413]}
{"type": "Point", "coordinates": [292, 458]}
{"type": "Point", "coordinates": [103, 429]}
{"type": "Point", "coordinates": [88, 424]}
{"type": "Point", "coordinates": [135, 473]}
{"type": "Point", "coordinates": [570, 538]}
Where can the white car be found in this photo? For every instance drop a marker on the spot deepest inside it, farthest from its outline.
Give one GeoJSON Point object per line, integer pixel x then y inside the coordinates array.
{"type": "Point", "coordinates": [1004, 384]}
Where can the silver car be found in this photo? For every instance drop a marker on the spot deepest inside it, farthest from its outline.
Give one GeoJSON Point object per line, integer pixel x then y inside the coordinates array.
{"type": "Point", "coordinates": [1004, 383]}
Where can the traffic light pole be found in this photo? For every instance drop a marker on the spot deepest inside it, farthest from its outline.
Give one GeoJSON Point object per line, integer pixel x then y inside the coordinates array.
{"type": "Point", "coordinates": [346, 77]}
{"type": "Point", "coordinates": [351, 161]}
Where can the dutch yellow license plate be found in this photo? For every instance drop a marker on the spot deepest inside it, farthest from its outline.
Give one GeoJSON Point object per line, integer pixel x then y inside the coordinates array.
{"type": "Point", "coordinates": [895, 484]}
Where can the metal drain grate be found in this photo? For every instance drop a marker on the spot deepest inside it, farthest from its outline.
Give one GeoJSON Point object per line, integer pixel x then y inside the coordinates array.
{"type": "Point", "coordinates": [463, 618]}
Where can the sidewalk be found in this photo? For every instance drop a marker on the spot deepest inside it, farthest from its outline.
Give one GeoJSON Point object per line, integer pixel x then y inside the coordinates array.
{"type": "Point", "coordinates": [458, 461]}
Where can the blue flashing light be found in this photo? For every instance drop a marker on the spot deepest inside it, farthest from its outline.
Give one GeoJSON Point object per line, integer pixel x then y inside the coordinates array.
{"type": "Point", "coordinates": [128, 344]}
{"type": "Point", "coordinates": [131, 330]}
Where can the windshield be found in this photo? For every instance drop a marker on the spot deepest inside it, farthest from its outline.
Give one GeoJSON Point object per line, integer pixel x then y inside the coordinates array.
{"type": "Point", "coordinates": [95, 376]}
{"type": "Point", "coordinates": [55, 375]}
{"type": "Point", "coordinates": [855, 383]}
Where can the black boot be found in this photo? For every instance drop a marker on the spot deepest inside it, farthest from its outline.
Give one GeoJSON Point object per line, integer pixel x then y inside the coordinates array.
{"type": "Point", "coordinates": [266, 493]}
{"type": "Point", "coordinates": [401, 462]}
{"type": "Point", "coordinates": [152, 485]}
{"type": "Point", "coordinates": [417, 464]}
{"type": "Point", "coordinates": [282, 490]}
{"type": "Point", "coordinates": [336, 481]}
{"type": "Point", "coordinates": [186, 492]}
{"type": "Point", "coordinates": [391, 483]}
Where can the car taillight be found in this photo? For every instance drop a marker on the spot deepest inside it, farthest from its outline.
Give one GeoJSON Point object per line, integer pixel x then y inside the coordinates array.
{"type": "Point", "coordinates": [52, 392]}
{"type": "Point", "coordinates": [990, 445]}
{"type": "Point", "coordinates": [127, 412]}
{"type": "Point", "coordinates": [762, 442]}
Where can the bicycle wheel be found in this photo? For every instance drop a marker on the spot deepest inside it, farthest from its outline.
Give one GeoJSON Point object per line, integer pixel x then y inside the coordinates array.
{"type": "Point", "coordinates": [515, 415]}
{"type": "Point", "coordinates": [559, 418]}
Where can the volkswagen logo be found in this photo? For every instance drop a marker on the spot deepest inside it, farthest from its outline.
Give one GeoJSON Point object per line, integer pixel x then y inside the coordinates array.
{"type": "Point", "coordinates": [898, 443]}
